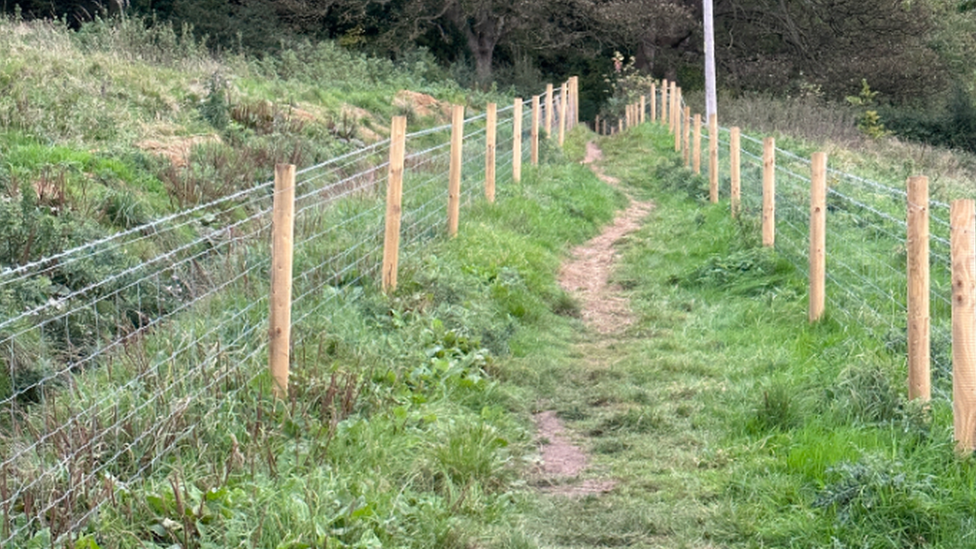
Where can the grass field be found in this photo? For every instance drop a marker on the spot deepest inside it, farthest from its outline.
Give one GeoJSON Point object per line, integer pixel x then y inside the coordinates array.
{"type": "Point", "coordinates": [728, 419]}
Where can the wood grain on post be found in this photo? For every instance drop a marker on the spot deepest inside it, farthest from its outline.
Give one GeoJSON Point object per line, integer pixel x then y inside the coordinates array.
{"type": "Point", "coordinates": [677, 130]}
{"type": "Point", "coordinates": [643, 107]}
{"type": "Point", "coordinates": [687, 137]}
{"type": "Point", "coordinates": [517, 141]}
{"type": "Point", "coordinates": [653, 102]}
{"type": "Point", "coordinates": [575, 101]}
{"type": "Point", "coordinates": [563, 107]}
{"type": "Point", "coordinates": [769, 193]}
{"type": "Point", "coordinates": [713, 158]}
{"type": "Point", "coordinates": [818, 235]}
{"type": "Point", "coordinates": [620, 125]}
{"type": "Point", "coordinates": [394, 198]}
{"type": "Point", "coordinates": [282, 242]}
{"type": "Point", "coordinates": [549, 111]}
{"type": "Point", "coordinates": [919, 360]}
{"type": "Point", "coordinates": [664, 102]}
{"type": "Point", "coordinates": [491, 140]}
{"type": "Point", "coordinates": [962, 221]}
{"type": "Point", "coordinates": [672, 102]}
{"type": "Point", "coordinates": [696, 153]}
{"type": "Point", "coordinates": [534, 151]}
{"type": "Point", "coordinates": [735, 170]}
{"type": "Point", "coordinates": [454, 176]}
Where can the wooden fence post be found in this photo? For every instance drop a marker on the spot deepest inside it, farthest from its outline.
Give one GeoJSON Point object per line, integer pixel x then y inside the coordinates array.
{"type": "Point", "coordinates": [454, 176]}
{"type": "Point", "coordinates": [735, 170]}
{"type": "Point", "coordinates": [696, 154]}
{"type": "Point", "coordinates": [534, 157]}
{"type": "Point", "coordinates": [919, 373]}
{"type": "Point", "coordinates": [549, 111]}
{"type": "Point", "coordinates": [596, 125]}
{"type": "Point", "coordinates": [713, 158]}
{"type": "Point", "coordinates": [604, 127]}
{"type": "Point", "coordinates": [575, 84]}
{"type": "Point", "coordinates": [517, 141]}
{"type": "Point", "coordinates": [282, 242]}
{"type": "Point", "coordinates": [686, 125]}
{"type": "Point", "coordinates": [653, 102]}
{"type": "Point", "coordinates": [664, 102]}
{"type": "Point", "coordinates": [643, 107]}
{"type": "Point", "coordinates": [491, 139]}
{"type": "Point", "coordinates": [672, 102]}
{"type": "Point", "coordinates": [962, 222]}
{"type": "Point", "coordinates": [818, 235]}
{"type": "Point", "coordinates": [394, 197]}
{"type": "Point", "coordinates": [677, 125]}
{"type": "Point", "coordinates": [769, 193]}
{"type": "Point", "coordinates": [563, 107]}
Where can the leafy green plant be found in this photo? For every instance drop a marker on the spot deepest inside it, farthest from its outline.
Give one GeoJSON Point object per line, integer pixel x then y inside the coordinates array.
{"type": "Point", "coordinates": [869, 122]}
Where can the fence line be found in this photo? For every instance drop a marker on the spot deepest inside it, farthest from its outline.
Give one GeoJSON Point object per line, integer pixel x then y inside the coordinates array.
{"type": "Point", "coordinates": [162, 337]}
{"type": "Point", "coordinates": [868, 250]}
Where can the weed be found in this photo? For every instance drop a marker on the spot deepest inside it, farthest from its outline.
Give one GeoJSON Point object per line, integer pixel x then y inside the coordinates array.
{"type": "Point", "coordinates": [777, 411]}
{"type": "Point", "coordinates": [878, 503]}
{"type": "Point", "coordinates": [750, 272]}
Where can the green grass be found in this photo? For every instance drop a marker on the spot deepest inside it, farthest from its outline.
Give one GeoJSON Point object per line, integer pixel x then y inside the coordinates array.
{"type": "Point", "coordinates": [726, 418]}
{"type": "Point", "coordinates": [405, 426]}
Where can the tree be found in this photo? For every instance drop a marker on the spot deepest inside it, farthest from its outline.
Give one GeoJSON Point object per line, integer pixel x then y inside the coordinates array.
{"type": "Point", "coordinates": [831, 44]}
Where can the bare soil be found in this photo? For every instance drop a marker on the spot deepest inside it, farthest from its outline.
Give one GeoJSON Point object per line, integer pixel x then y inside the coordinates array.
{"type": "Point", "coordinates": [606, 311]}
{"type": "Point", "coordinates": [587, 274]}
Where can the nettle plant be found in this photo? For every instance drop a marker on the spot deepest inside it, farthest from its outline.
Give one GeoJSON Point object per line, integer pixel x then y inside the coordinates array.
{"type": "Point", "coordinates": [627, 83]}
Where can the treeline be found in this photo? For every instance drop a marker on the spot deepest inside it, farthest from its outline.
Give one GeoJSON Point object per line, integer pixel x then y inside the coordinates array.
{"type": "Point", "coordinates": [917, 54]}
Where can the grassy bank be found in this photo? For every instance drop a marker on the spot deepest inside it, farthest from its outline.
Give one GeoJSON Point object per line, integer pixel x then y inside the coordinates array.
{"type": "Point", "coordinates": [406, 425]}
{"type": "Point", "coordinates": [731, 421]}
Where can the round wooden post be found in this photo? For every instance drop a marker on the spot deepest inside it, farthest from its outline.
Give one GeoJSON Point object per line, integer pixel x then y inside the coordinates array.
{"type": "Point", "coordinates": [643, 107]}
{"type": "Point", "coordinates": [454, 175]}
{"type": "Point", "coordinates": [491, 139]}
{"type": "Point", "coordinates": [282, 242]}
{"type": "Point", "coordinates": [713, 158]}
{"type": "Point", "coordinates": [575, 85]}
{"type": "Point", "coordinates": [962, 221]}
{"type": "Point", "coordinates": [769, 193]}
{"type": "Point", "coordinates": [919, 374]}
{"type": "Point", "coordinates": [549, 111]}
{"type": "Point", "coordinates": [735, 170]}
{"type": "Point", "coordinates": [818, 234]}
{"type": "Point", "coordinates": [517, 141]}
{"type": "Point", "coordinates": [394, 196]}
{"type": "Point", "coordinates": [696, 154]}
{"type": "Point", "coordinates": [534, 158]}
{"type": "Point", "coordinates": [677, 126]}
{"type": "Point", "coordinates": [563, 108]}
{"type": "Point", "coordinates": [664, 102]}
{"type": "Point", "coordinates": [653, 102]}
{"type": "Point", "coordinates": [686, 126]}
{"type": "Point", "coordinates": [672, 106]}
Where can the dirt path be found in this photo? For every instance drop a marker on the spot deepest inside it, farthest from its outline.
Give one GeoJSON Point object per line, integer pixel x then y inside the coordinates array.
{"type": "Point", "coordinates": [606, 311]}
{"type": "Point", "coordinates": [587, 274]}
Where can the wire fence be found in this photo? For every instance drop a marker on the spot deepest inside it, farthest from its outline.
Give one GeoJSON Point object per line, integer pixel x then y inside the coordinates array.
{"type": "Point", "coordinates": [103, 384]}
{"type": "Point", "coordinates": [866, 242]}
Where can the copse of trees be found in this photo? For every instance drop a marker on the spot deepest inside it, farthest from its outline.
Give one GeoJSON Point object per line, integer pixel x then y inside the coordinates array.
{"type": "Point", "coordinates": [913, 52]}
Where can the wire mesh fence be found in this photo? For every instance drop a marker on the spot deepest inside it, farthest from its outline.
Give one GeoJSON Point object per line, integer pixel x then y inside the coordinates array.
{"type": "Point", "coordinates": [866, 242]}
{"type": "Point", "coordinates": [165, 323]}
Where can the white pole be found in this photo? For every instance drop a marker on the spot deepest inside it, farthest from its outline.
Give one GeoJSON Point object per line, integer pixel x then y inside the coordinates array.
{"type": "Point", "coordinates": [711, 103]}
